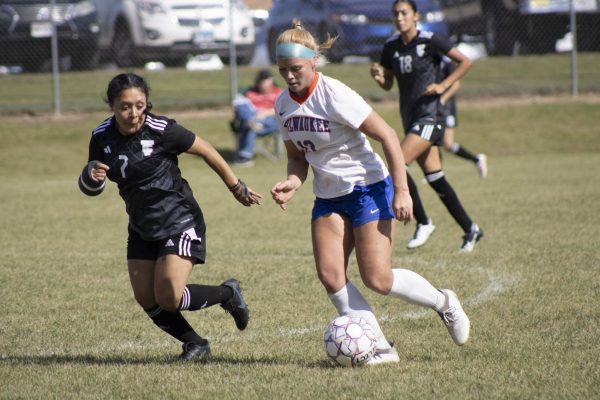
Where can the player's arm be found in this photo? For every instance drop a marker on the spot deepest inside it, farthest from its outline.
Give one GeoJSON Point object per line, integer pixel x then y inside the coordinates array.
{"type": "Point", "coordinates": [447, 95]}
{"type": "Point", "coordinates": [463, 64]}
{"type": "Point", "coordinates": [240, 190]}
{"type": "Point", "coordinates": [297, 171]}
{"type": "Point", "coordinates": [375, 127]}
{"type": "Point", "coordinates": [93, 177]}
{"type": "Point", "coordinates": [383, 76]}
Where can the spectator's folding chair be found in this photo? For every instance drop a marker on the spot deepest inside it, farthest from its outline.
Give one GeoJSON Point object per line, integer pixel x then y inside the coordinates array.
{"type": "Point", "coordinates": [268, 144]}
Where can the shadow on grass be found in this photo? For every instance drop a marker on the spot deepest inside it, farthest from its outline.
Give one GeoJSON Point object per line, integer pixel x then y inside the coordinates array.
{"type": "Point", "coordinates": [83, 359]}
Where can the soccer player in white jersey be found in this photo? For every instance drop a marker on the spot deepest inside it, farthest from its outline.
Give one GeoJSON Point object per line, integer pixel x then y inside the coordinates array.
{"type": "Point", "coordinates": [139, 150]}
{"type": "Point", "coordinates": [325, 125]}
{"type": "Point", "coordinates": [414, 58]}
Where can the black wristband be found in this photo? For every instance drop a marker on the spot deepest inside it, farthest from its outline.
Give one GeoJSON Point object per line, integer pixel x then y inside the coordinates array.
{"type": "Point", "coordinates": [88, 186]}
{"type": "Point", "coordinates": [236, 187]}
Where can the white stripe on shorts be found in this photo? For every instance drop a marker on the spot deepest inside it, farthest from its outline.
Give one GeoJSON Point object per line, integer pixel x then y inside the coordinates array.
{"type": "Point", "coordinates": [427, 131]}
{"type": "Point", "coordinates": [184, 245]}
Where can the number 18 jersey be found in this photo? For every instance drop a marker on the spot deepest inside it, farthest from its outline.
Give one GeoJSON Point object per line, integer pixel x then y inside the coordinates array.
{"type": "Point", "coordinates": [416, 65]}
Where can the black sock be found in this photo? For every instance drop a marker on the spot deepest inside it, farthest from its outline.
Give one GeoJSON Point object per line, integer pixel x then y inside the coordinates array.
{"type": "Point", "coordinates": [196, 297]}
{"type": "Point", "coordinates": [418, 209]}
{"type": "Point", "coordinates": [463, 153]}
{"type": "Point", "coordinates": [438, 182]}
{"type": "Point", "coordinates": [174, 324]}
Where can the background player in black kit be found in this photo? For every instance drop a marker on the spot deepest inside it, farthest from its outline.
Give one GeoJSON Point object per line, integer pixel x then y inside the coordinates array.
{"type": "Point", "coordinates": [414, 58]}
{"type": "Point", "coordinates": [138, 150]}
{"type": "Point", "coordinates": [448, 103]}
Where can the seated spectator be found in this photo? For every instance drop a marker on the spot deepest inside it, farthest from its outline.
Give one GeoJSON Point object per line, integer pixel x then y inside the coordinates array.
{"type": "Point", "coordinates": [254, 115]}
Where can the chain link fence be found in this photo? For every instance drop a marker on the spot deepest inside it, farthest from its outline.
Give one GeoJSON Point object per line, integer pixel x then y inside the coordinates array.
{"type": "Point", "coordinates": [93, 35]}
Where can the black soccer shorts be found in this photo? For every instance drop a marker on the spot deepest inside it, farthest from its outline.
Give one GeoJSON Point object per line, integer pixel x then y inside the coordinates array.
{"type": "Point", "coordinates": [185, 244]}
{"type": "Point", "coordinates": [432, 132]}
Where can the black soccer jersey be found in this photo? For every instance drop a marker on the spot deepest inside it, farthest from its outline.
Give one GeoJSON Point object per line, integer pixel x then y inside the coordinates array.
{"type": "Point", "coordinates": [449, 109]}
{"type": "Point", "coordinates": [144, 165]}
{"type": "Point", "coordinates": [416, 65]}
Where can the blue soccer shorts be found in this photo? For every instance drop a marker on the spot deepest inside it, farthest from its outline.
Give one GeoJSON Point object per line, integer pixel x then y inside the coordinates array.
{"type": "Point", "coordinates": [364, 204]}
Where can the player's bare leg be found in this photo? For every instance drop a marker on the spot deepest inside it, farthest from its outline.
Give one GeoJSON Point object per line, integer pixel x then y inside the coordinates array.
{"type": "Point", "coordinates": [333, 242]}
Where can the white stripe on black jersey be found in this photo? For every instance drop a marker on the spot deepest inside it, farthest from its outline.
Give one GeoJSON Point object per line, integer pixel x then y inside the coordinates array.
{"type": "Point", "coordinates": [102, 126]}
{"type": "Point", "coordinates": [156, 123]}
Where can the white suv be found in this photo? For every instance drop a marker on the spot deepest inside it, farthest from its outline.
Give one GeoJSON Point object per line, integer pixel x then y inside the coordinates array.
{"type": "Point", "coordinates": [135, 31]}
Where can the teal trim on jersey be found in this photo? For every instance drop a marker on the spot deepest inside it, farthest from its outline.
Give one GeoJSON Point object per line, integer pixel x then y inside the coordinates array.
{"type": "Point", "coordinates": [293, 50]}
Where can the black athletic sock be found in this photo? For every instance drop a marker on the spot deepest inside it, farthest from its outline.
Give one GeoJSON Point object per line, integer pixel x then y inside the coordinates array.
{"type": "Point", "coordinates": [438, 182]}
{"type": "Point", "coordinates": [196, 297]}
{"type": "Point", "coordinates": [174, 324]}
{"type": "Point", "coordinates": [463, 153]}
{"type": "Point", "coordinates": [418, 209]}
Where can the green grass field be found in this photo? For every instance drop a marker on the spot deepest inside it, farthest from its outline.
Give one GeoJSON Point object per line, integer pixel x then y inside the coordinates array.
{"type": "Point", "coordinates": [69, 327]}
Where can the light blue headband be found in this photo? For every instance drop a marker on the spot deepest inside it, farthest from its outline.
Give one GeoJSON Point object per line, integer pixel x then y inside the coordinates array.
{"type": "Point", "coordinates": [293, 50]}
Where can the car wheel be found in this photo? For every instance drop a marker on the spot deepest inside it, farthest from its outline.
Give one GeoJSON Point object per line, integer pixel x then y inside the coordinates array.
{"type": "Point", "coordinates": [123, 48]}
{"type": "Point", "coordinates": [85, 60]}
{"type": "Point", "coordinates": [246, 58]}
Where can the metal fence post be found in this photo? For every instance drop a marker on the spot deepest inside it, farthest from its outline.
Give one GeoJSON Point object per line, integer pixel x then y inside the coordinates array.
{"type": "Point", "coordinates": [573, 23]}
{"type": "Point", "coordinates": [55, 71]}
{"type": "Point", "coordinates": [232, 55]}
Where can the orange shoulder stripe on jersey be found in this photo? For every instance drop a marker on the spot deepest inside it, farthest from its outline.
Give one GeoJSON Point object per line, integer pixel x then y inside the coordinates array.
{"type": "Point", "coordinates": [311, 89]}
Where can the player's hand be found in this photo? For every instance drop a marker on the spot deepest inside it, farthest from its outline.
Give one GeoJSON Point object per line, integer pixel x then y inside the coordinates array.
{"type": "Point", "coordinates": [403, 206]}
{"type": "Point", "coordinates": [97, 170]}
{"type": "Point", "coordinates": [244, 194]}
{"type": "Point", "coordinates": [283, 191]}
{"type": "Point", "coordinates": [377, 71]}
{"type": "Point", "coordinates": [434, 89]}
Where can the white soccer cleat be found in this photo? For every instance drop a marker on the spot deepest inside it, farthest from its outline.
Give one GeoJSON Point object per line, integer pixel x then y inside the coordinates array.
{"type": "Point", "coordinates": [482, 167]}
{"type": "Point", "coordinates": [384, 357]}
{"type": "Point", "coordinates": [455, 318]}
{"type": "Point", "coordinates": [421, 235]}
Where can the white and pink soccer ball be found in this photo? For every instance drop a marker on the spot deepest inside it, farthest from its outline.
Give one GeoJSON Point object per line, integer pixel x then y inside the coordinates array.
{"type": "Point", "coordinates": [349, 341]}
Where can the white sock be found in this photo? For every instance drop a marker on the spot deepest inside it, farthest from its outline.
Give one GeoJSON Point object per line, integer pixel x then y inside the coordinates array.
{"type": "Point", "coordinates": [413, 288]}
{"type": "Point", "coordinates": [349, 301]}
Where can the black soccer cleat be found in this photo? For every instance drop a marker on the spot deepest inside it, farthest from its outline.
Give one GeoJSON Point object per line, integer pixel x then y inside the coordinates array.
{"type": "Point", "coordinates": [236, 306]}
{"type": "Point", "coordinates": [194, 350]}
{"type": "Point", "coordinates": [470, 239]}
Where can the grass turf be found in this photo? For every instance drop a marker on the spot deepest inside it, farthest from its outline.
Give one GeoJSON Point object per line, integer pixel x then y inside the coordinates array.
{"type": "Point", "coordinates": [71, 329]}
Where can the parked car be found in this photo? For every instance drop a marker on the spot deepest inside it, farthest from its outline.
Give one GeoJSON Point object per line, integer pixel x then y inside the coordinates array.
{"type": "Point", "coordinates": [136, 31]}
{"type": "Point", "coordinates": [532, 25]}
{"type": "Point", "coordinates": [361, 26]}
{"type": "Point", "coordinates": [26, 32]}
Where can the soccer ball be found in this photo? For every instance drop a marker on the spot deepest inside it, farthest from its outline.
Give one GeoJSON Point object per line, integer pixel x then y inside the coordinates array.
{"type": "Point", "coordinates": [349, 341]}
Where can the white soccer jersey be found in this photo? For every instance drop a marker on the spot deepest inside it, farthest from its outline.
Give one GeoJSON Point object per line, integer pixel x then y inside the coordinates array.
{"type": "Point", "coordinates": [324, 126]}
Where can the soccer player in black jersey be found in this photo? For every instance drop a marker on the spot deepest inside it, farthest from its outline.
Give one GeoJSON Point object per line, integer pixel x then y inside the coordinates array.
{"type": "Point", "coordinates": [138, 150]}
{"type": "Point", "coordinates": [448, 103]}
{"type": "Point", "coordinates": [414, 58]}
